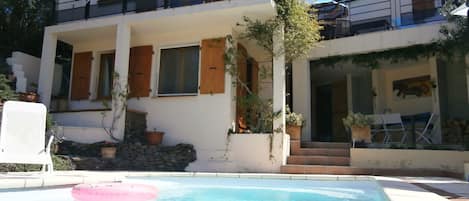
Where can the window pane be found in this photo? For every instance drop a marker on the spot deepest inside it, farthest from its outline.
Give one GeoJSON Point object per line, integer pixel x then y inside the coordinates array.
{"type": "Point", "coordinates": [105, 75]}
{"type": "Point", "coordinates": [191, 69]}
{"type": "Point", "coordinates": [179, 71]}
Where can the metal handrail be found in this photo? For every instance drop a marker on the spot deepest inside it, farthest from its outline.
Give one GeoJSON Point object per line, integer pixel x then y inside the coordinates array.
{"type": "Point", "coordinates": [84, 9]}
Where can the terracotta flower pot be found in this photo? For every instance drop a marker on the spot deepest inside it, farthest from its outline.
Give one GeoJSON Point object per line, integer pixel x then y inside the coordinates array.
{"type": "Point", "coordinates": [108, 152]}
{"type": "Point", "coordinates": [294, 131]}
{"type": "Point", "coordinates": [154, 137]}
{"type": "Point", "coordinates": [29, 97]}
{"type": "Point", "coordinates": [361, 134]}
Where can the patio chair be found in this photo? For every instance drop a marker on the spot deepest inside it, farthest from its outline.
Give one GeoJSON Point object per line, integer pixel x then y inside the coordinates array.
{"type": "Point", "coordinates": [377, 126]}
{"type": "Point", "coordinates": [22, 135]}
{"type": "Point", "coordinates": [393, 124]}
{"type": "Point", "coordinates": [425, 132]}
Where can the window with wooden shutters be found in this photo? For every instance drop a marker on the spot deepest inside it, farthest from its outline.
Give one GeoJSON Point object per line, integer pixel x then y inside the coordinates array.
{"type": "Point", "coordinates": [81, 75]}
{"type": "Point", "coordinates": [212, 79]}
{"type": "Point", "coordinates": [140, 71]}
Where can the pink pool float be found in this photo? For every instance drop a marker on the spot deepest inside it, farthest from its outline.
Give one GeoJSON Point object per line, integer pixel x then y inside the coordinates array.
{"type": "Point", "coordinates": [114, 192]}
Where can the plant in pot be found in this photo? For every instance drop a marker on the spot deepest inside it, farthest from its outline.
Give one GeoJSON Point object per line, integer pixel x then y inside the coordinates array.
{"type": "Point", "coordinates": [359, 125]}
{"type": "Point", "coordinates": [108, 150]}
{"type": "Point", "coordinates": [31, 96]}
{"type": "Point", "coordinates": [294, 123]}
{"type": "Point", "coordinates": [154, 137]}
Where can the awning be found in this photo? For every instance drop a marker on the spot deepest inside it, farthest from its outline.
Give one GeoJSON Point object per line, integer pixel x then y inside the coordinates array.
{"type": "Point", "coordinates": [461, 10]}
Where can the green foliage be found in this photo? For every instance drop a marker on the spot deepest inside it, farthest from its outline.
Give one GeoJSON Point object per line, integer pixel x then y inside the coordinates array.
{"type": "Point", "coordinates": [22, 25]}
{"type": "Point", "coordinates": [60, 163]}
{"type": "Point", "coordinates": [259, 113]}
{"type": "Point", "coordinates": [455, 40]}
{"type": "Point", "coordinates": [301, 30]}
{"type": "Point", "coordinates": [6, 93]}
{"type": "Point", "coordinates": [293, 119]}
{"type": "Point", "coordinates": [119, 95]}
{"type": "Point", "coordinates": [357, 120]}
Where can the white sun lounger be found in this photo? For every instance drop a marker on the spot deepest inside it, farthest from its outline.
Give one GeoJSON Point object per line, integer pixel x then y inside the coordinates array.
{"type": "Point", "coordinates": [22, 136]}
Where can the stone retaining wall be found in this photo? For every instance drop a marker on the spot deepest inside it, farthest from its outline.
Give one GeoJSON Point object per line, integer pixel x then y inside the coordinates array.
{"type": "Point", "coordinates": [133, 157]}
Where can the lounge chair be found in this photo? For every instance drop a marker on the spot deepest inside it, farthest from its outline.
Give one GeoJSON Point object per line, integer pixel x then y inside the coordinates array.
{"type": "Point", "coordinates": [22, 135]}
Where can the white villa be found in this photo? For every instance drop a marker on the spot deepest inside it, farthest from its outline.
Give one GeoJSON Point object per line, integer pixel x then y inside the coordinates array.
{"type": "Point", "coordinates": [170, 54]}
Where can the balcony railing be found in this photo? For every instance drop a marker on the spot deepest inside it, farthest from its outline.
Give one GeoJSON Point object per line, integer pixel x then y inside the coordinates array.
{"type": "Point", "coordinates": [367, 16]}
{"type": "Point", "coordinates": [71, 10]}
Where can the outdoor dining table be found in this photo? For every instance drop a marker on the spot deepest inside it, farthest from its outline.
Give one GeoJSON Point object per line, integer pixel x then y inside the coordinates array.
{"type": "Point", "coordinates": [412, 120]}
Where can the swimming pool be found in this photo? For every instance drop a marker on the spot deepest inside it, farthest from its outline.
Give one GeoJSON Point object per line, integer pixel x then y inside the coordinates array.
{"type": "Point", "coordinates": [231, 189]}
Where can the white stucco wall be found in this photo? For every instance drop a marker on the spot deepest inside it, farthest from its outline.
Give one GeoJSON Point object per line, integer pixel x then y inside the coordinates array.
{"type": "Point", "coordinates": [201, 120]}
{"type": "Point", "coordinates": [30, 65]}
{"type": "Point", "coordinates": [452, 161]}
{"type": "Point", "coordinates": [85, 135]}
{"type": "Point", "coordinates": [83, 119]}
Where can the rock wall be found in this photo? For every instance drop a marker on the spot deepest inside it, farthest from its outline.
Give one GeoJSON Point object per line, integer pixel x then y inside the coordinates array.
{"type": "Point", "coordinates": [133, 157]}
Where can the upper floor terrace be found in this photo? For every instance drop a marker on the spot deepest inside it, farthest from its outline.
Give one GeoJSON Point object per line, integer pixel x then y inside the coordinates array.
{"type": "Point", "coordinates": [352, 17]}
{"type": "Point", "coordinates": [73, 10]}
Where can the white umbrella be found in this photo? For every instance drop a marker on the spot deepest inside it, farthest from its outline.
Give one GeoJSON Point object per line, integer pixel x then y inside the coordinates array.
{"type": "Point", "coordinates": [461, 10]}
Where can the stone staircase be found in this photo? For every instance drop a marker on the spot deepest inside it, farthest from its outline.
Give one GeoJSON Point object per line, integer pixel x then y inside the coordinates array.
{"type": "Point", "coordinates": [319, 158]}
{"type": "Point", "coordinates": [334, 159]}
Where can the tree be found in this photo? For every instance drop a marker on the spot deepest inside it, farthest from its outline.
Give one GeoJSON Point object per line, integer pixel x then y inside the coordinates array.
{"type": "Point", "coordinates": [301, 33]}
{"type": "Point", "coordinates": [300, 26]}
{"type": "Point", "coordinates": [22, 24]}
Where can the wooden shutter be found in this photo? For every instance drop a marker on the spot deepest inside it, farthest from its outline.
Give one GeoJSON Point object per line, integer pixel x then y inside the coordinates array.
{"type": "Point", "coordinates": [140, 71]}
{"type": "Point", "coordinates": [422, 5]}
{"type": "Point", "coordinates": [81, 75]}
{"type": "Point", "coordinates": [240, 90]}
{"type": "Point", "coordinates": [255, 77]}
{"type": "Point", "coordinates": [212, 79]}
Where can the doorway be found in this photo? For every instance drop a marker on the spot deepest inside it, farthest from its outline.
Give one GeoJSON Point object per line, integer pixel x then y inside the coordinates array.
{"type": "Point", "coordinates": [331, 108]}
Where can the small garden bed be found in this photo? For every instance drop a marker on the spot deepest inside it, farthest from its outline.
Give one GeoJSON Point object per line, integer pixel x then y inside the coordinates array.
{"type": "Point", "coordinates": [130, 156]}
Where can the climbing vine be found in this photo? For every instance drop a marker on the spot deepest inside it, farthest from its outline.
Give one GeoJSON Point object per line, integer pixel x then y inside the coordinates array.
{"type": "Point", "coordinates": [454, 41]}
{"type": "Point", "coordinates": [119, 102]}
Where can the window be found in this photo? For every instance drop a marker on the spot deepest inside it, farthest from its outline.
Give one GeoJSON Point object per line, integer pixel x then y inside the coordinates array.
{"type": "Point", "coordinates": [179, 71]}
{"type": "Point", "coordinates": [105, 75]}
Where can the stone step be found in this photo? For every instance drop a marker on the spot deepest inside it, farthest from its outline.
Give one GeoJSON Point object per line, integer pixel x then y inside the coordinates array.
{"type": "Point", "coordinates": [324, 169]}
{"type": "Point", "coordinates": [318, 160]}
{"type": "Point", "coordinates": [331, 145]}
{"type": "Point", "coordinates": [320, 151]}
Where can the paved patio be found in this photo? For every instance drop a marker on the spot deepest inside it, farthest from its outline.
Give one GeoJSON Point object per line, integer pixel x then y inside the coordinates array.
{"type": "Point", "coordinates": [397, 188]}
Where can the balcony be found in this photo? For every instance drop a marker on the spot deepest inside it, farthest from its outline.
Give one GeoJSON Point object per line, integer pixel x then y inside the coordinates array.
{"type": "Point", "coordinates": [366, 16]}
{"type": "Point", "coordinates": [72, 10]}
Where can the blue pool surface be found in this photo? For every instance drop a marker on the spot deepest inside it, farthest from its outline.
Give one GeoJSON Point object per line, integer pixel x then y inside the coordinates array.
{"type": "Point", "coordinates": [231, 189]}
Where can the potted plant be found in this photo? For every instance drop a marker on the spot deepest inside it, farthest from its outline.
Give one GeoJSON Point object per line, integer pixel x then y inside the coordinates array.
{"type": "Point", "coordinates": [359, 124]}
{"type": "Point", "coordinates": [31, 96]}
{"type": "Point", "coordinates": [294, 123]}
{"type": "Point", "coordinates": [154, 137]}
{"type": "Point", "coordinates": [108, 150]}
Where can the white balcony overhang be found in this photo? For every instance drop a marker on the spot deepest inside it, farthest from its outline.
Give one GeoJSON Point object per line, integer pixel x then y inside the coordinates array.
{"type": "Point", "coordinates": [378, 41]}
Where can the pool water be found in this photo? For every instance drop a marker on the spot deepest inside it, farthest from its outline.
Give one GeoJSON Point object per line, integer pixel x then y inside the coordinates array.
{"type": "Point", "coordinates": [232, 189]}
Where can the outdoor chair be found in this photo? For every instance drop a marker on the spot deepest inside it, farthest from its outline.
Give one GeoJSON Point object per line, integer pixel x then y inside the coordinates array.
{"type": "Point", "coordinates": [377, 126]}
{"type": "Point", "coordinates": [393, 124]}
{"type": "Point", "coordinates": [22, 135]}
{"type": "Point", "coordinates": [425, 132]}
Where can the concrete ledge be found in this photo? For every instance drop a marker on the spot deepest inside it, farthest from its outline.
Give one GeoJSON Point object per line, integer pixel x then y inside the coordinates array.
{"type": "Point", "coordinates": [450, 163]}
